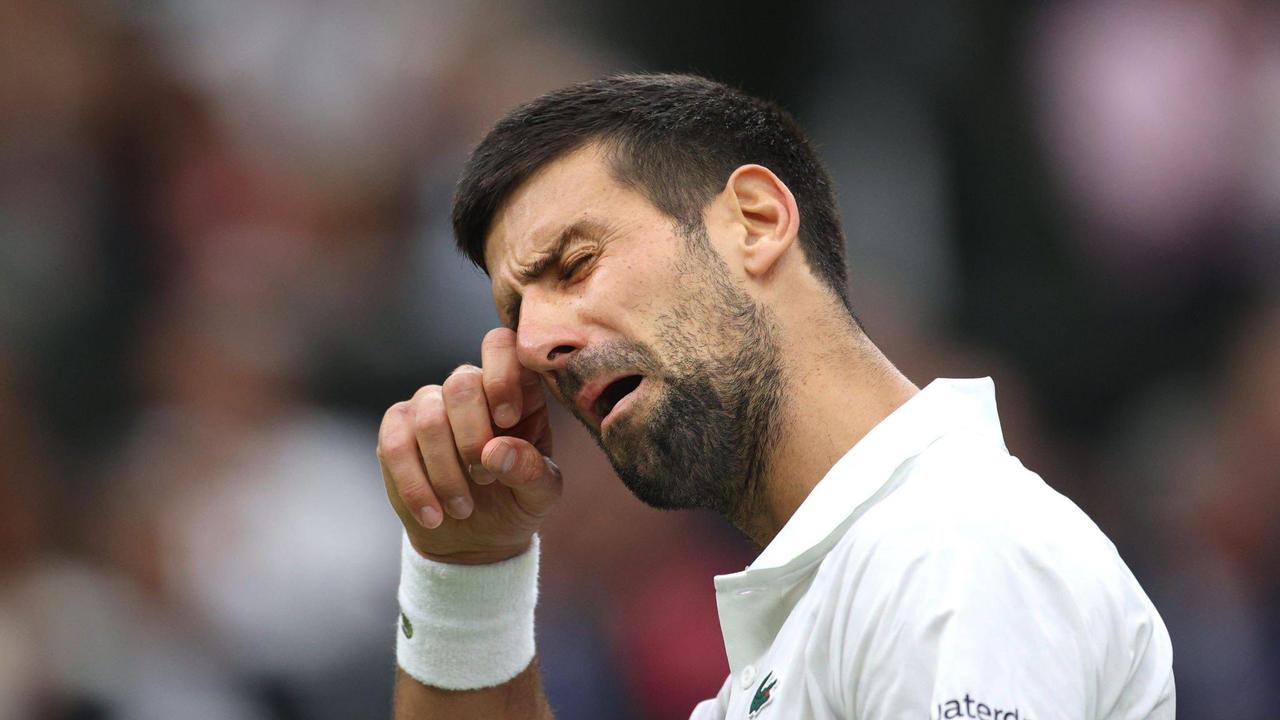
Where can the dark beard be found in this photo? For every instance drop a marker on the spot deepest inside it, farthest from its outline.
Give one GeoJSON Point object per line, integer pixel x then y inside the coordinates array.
{"type": "Point", "coordinates": [713, 411]}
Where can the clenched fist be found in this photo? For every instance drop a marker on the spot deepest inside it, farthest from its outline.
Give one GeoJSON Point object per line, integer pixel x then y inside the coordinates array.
{"type": "Point", "coordinates": [466, 464]}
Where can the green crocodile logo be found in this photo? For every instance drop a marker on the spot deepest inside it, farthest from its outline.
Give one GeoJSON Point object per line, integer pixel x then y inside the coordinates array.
{"type": "Point", "coordinates": [764, 693]}
{"type": "Point", "coordinates": [406, 626]}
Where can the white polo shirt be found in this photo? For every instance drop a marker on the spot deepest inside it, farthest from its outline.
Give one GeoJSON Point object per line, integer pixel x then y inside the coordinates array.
{"type": "Point", "coordinates": [930, 575]}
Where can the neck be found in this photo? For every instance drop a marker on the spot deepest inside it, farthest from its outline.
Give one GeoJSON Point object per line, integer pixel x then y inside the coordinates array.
{"type": "Point", "coordinates": [835, 392]}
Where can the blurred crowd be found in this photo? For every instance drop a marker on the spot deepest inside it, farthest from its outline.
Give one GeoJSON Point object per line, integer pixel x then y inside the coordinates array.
{"type": "Point", "coordinates": [225, 249]}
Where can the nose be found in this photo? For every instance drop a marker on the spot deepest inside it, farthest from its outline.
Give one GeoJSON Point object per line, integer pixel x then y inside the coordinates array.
{"type": "Point", "coordinates": [546, 338]}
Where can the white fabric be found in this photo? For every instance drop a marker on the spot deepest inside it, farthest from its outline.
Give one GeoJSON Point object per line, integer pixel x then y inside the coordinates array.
{"type": "Point", "coordinates": [931, 575]}
{"type": "Point", "coordinates": [468, 626]}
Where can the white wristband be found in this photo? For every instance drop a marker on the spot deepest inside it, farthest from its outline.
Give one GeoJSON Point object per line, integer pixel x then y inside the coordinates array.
{"type": "Point", "coordinates": [464, 627]}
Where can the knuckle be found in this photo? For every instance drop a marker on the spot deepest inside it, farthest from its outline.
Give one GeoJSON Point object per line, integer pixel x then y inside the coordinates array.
{"type": "Point", "coordinates": [470, 450]}
{"type": "Point", "coordinates": [429, 412]}
{"type": "Point", "coordinates": [395, 411]}
{"type": "Point", "coordinates": [417, 496]}
{"type": "Point", "coordinates": [431, 423]}
{"type": "Point", "coordinates": [461, 385]}
{"type": "Point", "coordinates": [400, 465]}
{"type": "Point", "coordinates": [499, 386]}
{"type": "Point", "coordinates": [387, 454]}
{"type": "Point", "coordinates": [443, 488]}
{"type": "Point", "coordinates": [425, 394]}
{"type": "Point", "coordinates": [393, 416]}
{"type": "Point", "coordinates": [392, 433]}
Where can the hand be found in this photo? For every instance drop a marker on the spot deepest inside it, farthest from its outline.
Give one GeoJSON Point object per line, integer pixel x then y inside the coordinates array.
{"type": "Point", "coordinates": [466, 463]}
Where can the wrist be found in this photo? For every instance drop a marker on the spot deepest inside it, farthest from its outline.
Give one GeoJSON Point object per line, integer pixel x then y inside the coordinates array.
{"type": "Point", "coordinates": [466, 626]}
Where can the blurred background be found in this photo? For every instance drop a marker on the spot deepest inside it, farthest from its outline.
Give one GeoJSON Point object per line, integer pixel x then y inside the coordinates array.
{"type": "Point", "coordinates": [225, 250]}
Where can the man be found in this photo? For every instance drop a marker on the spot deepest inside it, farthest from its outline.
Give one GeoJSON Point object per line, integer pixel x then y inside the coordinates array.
{"type": "Point", "coordinates": [667, 260]}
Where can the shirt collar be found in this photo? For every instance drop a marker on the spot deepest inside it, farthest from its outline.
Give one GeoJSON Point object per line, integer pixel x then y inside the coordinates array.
{"type": "Point", "coordinates": [941, 406]}
{"type": "Point", "coordinates": [753, 604]}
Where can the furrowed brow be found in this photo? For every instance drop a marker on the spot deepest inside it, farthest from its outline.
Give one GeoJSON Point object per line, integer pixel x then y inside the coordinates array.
{"type": "Point", "coordinates": [546, 260]}
{"type": "Point", "coordinates": [550, 257]}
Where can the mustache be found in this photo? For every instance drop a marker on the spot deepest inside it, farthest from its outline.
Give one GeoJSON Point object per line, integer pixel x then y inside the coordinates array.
{"type": "Point", "coordinates": [620, 355]}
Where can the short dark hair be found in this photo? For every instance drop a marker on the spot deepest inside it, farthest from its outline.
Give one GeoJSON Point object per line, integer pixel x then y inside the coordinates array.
{"type": "Point", "coordinates": [675, 138]}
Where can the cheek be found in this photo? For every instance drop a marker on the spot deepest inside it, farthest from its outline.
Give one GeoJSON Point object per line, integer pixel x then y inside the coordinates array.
{"type": "Point", "coordinates": [627, 296]}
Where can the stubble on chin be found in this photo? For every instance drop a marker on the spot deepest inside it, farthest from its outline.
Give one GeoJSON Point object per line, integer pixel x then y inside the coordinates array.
{"type": "Point", "coordinates": [702, 441]}
{"type": "Point", "coordinates": [703, 435]}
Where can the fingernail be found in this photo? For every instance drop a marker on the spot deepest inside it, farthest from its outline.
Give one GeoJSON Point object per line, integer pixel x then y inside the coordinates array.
{"type": "Point", "coordinates": [431, 517]}
{"type": "Point", "coordinates": [505, 415]}
{"type": "Point", "coordinates": [459, 507]}
{"type": "Point", "coordinates": [506, 457]}
{"type": "Point", "coordinates": [481, 475]}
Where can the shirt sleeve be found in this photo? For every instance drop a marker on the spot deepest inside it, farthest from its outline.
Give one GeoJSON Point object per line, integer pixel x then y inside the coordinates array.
{"type": "Point", "coordinates": [715, 708]}
{"type": "Point", "coordinates": [975, 627]}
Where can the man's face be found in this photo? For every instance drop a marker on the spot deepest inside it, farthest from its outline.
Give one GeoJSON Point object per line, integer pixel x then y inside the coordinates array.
{"type": "Point", "coordinates": [641, 331]}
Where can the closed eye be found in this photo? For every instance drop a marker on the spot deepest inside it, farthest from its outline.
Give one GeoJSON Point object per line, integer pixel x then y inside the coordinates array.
{"type": "Point", "coordinates": [570, 269]}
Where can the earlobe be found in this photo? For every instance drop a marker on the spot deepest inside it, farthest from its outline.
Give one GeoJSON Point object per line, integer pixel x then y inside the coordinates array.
{"type": "Point", "coordinates": [770, 218]}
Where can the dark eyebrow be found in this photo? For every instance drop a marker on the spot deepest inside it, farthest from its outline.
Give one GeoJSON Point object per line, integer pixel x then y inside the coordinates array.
{"type": "Point", "coordinates": [548, 259]}
{"type": "Point", "coordinates": [552, 255]}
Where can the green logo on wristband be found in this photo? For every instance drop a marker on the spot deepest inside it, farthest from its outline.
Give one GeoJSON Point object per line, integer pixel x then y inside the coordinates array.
{"type": "Point", "coordinates": [405, 625]}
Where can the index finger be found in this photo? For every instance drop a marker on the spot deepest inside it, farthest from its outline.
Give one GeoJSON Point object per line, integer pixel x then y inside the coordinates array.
{"type": "Point", "coordinates": [504, 377]}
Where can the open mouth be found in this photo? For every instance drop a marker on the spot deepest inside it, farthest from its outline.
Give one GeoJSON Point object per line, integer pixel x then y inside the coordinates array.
{"type": "Point", "coordinates": [613, 394]}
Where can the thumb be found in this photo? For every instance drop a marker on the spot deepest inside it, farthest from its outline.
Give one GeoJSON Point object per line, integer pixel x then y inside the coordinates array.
{"type": "Point", "coordinates": [534, 478]}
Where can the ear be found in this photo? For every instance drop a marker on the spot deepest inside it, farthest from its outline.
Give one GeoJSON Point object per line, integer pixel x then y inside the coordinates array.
{"type": "Point", "coordinates": [768, 213]}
